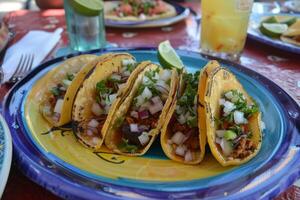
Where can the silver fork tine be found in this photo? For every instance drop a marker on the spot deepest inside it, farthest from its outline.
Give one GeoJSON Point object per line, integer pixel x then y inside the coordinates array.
{"type": "Point", "coordinates": [18, 67]}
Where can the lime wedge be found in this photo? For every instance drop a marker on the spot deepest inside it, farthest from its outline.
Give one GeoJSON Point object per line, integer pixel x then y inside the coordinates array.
{"type": "Point", "coordinates": [87, 7]}
{"type": "Point", "coordinates": [288, 20]}
{"type": "Point", "coordinates": [273, 30]}
{"type": "Point", "coordinates": [271, 20]}
{"type": "Point", "coordinates": [168, 57]}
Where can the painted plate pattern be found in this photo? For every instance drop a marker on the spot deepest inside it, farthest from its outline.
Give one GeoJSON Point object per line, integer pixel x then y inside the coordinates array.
{"type": "Point", "coordinates": [5, 153]}
{"type": "Point", "coordinates": [72, 171]}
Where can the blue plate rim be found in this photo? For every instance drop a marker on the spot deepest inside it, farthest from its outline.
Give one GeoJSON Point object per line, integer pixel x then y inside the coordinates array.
{"type": "Point", "coordinates": [25, 162]}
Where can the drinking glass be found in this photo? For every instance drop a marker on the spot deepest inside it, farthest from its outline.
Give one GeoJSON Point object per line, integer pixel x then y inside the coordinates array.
{"type": "Point", "coordinates": [85, 27]}
{"type": "Point", "coordinates": [224, 27]}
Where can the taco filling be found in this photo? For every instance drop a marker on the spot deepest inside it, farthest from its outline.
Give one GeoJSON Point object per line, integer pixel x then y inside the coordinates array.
{"type": "Point", "coordinates": [233, 135]}
{"type": "Point", "coordinates": [106, 93]}
{"type": "Point", "coordinates": [140, 8]}
{"type": "Point", "coordinates": [53, 106]}
{"type": "Point", "coordinates": [144, 111]}
{"type": "Point", "coordinates": [184, 133]}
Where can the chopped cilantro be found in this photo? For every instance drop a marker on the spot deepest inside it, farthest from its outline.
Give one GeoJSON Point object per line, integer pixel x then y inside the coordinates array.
{"type": "Point", "coordinates": [118, 122]}
{"type": "Point", "coordinates": [192, 122]}
{"type": "Point", "coordinates": [125, 146]}
{"type": "Point", "coordinates": [101, 87]}
{"type": "Point", "coordinates": [70, 77]}
{"type": "Point", "coordinates": [55, 91]}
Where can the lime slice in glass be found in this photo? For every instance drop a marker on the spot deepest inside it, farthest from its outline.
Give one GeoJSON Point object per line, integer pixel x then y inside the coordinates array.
{"type": "Point", "coordinates": [273, 30]}
{"type": "Point", "coordinates": [287, 20]}
{"type": "Point", "coordinates": [87, 7]}
{"type": "Point", "coordinates": [168, 57]}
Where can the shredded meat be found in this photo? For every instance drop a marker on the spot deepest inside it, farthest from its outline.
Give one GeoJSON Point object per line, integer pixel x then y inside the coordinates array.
{"type": "Point", "coordinates": [244, 148]}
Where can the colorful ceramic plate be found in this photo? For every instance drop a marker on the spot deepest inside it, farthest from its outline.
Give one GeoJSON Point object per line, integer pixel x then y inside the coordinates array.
{"type": "Point", "coordinates": [5, 153]}
{"type": "Point", "coordinates": [52, 158]}
{"type": "Point", "coordinates": [181, 11]}
{"type": "Point", "coordinates": [255, 34]}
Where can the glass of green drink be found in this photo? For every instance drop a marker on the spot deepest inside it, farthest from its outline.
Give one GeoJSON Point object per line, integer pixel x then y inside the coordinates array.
{"type": "Point", "coordinates": [85, 24]}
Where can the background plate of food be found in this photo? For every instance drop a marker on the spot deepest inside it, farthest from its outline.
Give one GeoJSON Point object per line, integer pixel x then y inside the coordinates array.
{"type": "Point", "coordinates": [60, 161]}
{"type": "Point", "coordinates": [141, 14]}
{"type": "Point", "coordinates": [280, 31]}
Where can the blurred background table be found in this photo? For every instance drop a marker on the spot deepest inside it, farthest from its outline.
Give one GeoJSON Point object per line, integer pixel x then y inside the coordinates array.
{"type": "Point", "coordinates": [281, 67]}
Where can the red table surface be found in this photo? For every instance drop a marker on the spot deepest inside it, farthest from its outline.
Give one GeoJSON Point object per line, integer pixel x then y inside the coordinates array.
{"type": "Point", "coordinates": [281, 67]}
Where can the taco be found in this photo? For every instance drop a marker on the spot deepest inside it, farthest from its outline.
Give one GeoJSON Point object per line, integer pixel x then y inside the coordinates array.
{"type": "Point", "coordinates": [292, 35]}
{"type": "Point", "coordinates": [181, 138]}
{"type": "Point", "coordinates": [138, 120]}
{"type": "Point", "coordinates": [137, 10]}
{"type": "Point", "coordinates": [233, 119]}
{"type": "Point", "coordinates": [100, 95]}
{"type": "Point", "coordinates": [64, 81]}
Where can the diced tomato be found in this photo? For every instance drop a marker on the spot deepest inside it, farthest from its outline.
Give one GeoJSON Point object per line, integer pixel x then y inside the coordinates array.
{"type": "Point", "coordinates": [126, 9]}
{"type": "Point", "coordinates": [245, 128]}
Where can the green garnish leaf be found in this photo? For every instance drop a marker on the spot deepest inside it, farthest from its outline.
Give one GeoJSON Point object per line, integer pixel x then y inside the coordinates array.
{"type": "Point", "coordinates": [70, 77]}
{"type": "Point", "coordinates": [55, 91]}
{"type": "Point", "coordinates": [125, 146]}
{"type": "Point", "coordinates": [118, 122]}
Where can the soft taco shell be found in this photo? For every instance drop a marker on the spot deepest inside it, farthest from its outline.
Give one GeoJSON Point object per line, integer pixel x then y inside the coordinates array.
{"type": "Point", "coordinates": [220, 81]}
{"type": "Point", "coordinates": [79, 65]}
{"type": "Point", "coordinates": [292, 35]}
{"type": "Point", "coordinates": [166, 131]}
{"type": "Point", "coordinates": [113, 137]}
{"type": "Point", "coordinates": [110, 5]}
{"type": "Point", "coordinates": [86, 96]}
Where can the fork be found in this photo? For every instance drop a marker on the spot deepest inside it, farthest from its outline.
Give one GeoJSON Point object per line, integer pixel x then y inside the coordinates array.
{"type": "Point", "coordinates": [23, 67]}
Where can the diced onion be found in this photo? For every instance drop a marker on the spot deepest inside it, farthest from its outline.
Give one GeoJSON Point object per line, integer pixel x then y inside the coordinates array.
{"type": "Point", "coordinates": [146, 94]}
{"type": "Point", "coordinates": [95, 140]}
{"type": "Point", "coordinates": [181, 119]}
{"type": "Point", "coordinates": [106, 109]}
{"type": "Point", "coordinates": [229, 95]}
{"type": "Point", "coordinates": [226, 147]}
{"type": "Point", "coordinates": [58, 106]}
{"type": "Point", "coordinates": [116, 77]}
{"type": "Point", "coordinates": [156, 100]}
{"type": "Point", "coordinates": [134, 114]}
{"type": "Point", "coordinates": [134, 128]}
{"type": "Point", "coordinates": [178, 138]}
{"type": "Point", "coordinates": [165, 75]}
{"type": "Point", "coordinates": [145, 106]}
{"type": "Point", "coordinates": [146, 79]}
{"type": "Point", "coordinates": [220, 133]}
{"type": "Point", "coordinates": [142, 16]}
{"type": "Point", "coordinates": [218, 140]}
{"type": "Point", "coordinates": [121, 86]}
{"type": "Point", "coordinates": [93, 123]}
{"type": "Point", "coordinates": [180, 150]}
{"type": "Point", "coordinates": [228, 107]}
{"type": "Point", "coordinates": [112, 98]}
{"type": "Point", "coordinates": [126, 73]}
{"type": "Point", "coordinates": [154, 108]}
{"type": "Point", "coordinates": [143, 114]}
{"type": "Point", "coordinates": [162, 87]}
{"type": "Point", "coordinates": [66, 82]}
{"type": "Point", "coordinates": [188, 156]}
{"type": "Point", "coordinates": [143, 128]}
{"type": "Point", "coordinates": [222, 101]}
{"type": "Point", "coordinates": [126, 62]}
{"type": "Point", "coordinates": [239, 118]}
{"type": "Point", "coordinates": [139, 100]}
{"type": "Point", "coordinates": [179, 109]}
{"type": "Point", "coordinates": [144, 138]}
{"type": "Point", "coordinates": [89, 132]}
{"type": "Point", "coordinates": [96, 109]}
